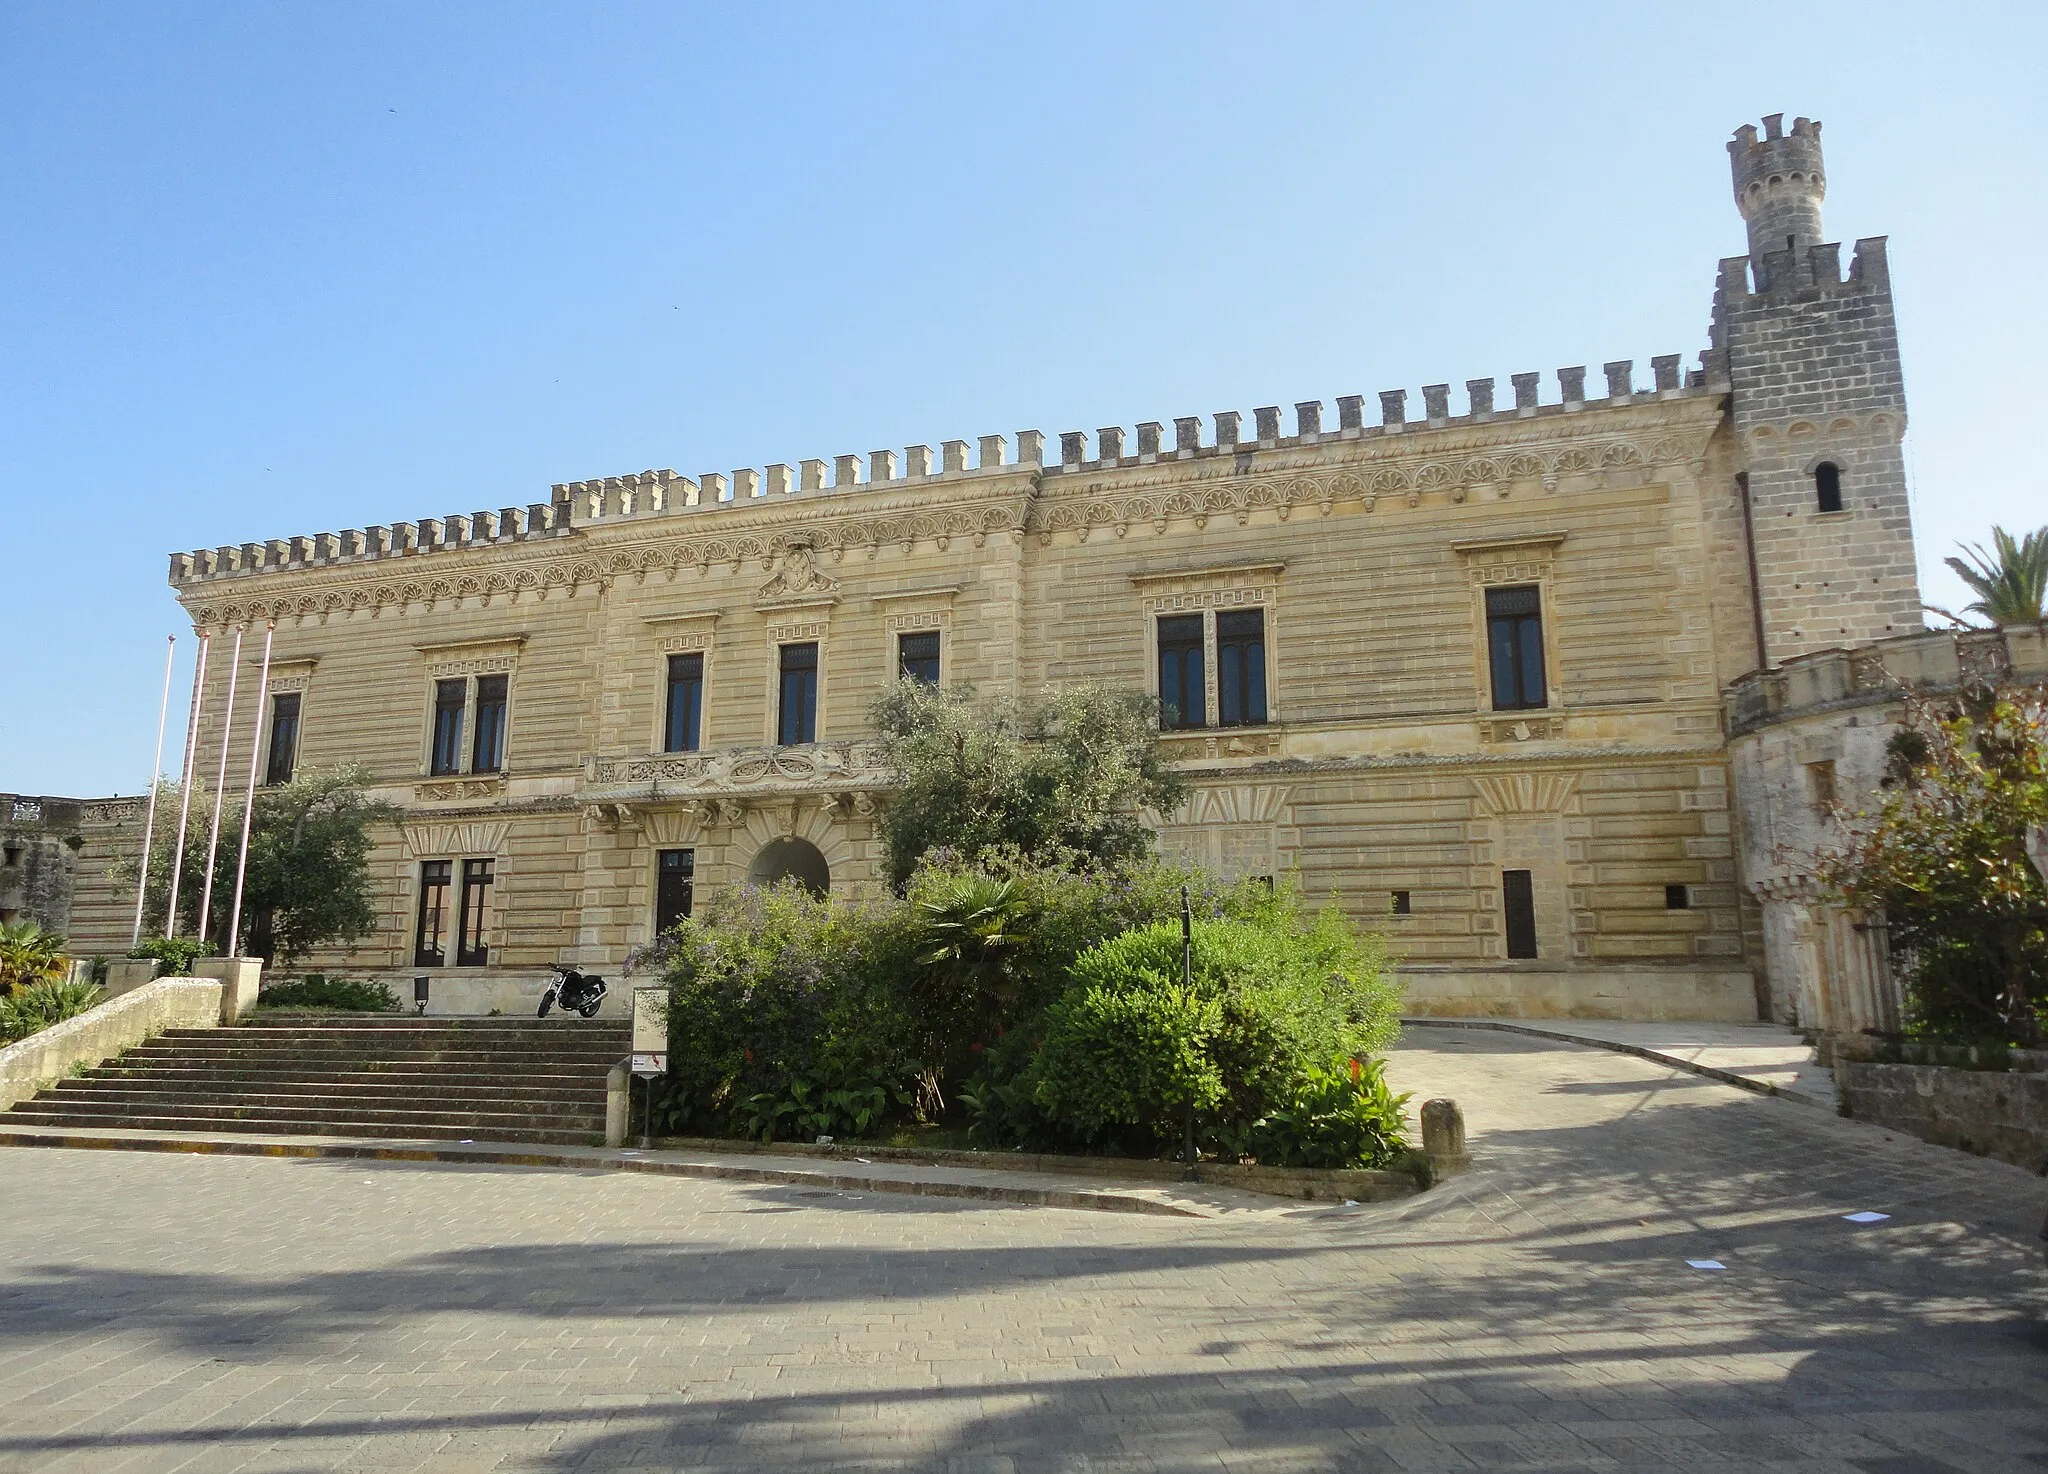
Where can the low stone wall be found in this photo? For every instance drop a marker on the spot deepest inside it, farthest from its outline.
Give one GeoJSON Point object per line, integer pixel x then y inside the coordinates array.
{"type": "Point", "coordinates": [1717, 995]}
{"type": "Point", "coordinates": [1994, 1113]}
{"type": "Point", "coordinates": [104, 1030]}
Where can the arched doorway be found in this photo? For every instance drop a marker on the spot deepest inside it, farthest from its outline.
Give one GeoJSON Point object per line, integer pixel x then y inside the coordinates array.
{"type": "Point", "coordinates": [791, 859]}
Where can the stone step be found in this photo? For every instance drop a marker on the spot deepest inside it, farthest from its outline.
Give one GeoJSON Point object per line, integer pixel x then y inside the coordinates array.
{"type": "Point", "coordinates": [341, 1092]}
{"type": "Point", "coordinates": [371, 1059]}
{"type": "Point", "coordinates": [494, 1028]}
{"type": "Point", "coordinates": [332, 1117]}
{"type": "Point", "coordinates": [331, 1128]}
{"type": "Point", "coordinates": [283, 1019]}
{"type": "Point", "coordinates": [173, 1074]}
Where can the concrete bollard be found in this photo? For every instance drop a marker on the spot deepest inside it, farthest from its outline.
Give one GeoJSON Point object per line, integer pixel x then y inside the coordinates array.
{"type": "Point", "coordinates": [618, 1103]}
{"type": "Point", "coordinates": [1443, 1137]}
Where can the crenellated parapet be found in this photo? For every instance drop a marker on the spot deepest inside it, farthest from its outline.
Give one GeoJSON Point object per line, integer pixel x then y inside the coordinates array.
{"type": "Point", "coordinates": [649, 495]}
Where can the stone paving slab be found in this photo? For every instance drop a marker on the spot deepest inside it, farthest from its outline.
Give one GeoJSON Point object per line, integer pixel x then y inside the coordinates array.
{"type": "Point", "coordinates": [844, 1174]}
{"type": "Point", "coordinates": [168, 1311]}
{"type": "Point", "coordinates": [1768, 1058]}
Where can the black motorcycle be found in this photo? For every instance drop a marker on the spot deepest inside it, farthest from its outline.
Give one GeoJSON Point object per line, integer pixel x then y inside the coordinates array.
{"type": "Point", "coordinates": [577, 992]}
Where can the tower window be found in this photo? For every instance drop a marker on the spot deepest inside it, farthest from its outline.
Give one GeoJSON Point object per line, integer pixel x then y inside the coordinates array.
{"type": "Point", "coordinates": [1827, 486]}
{"type": "Point", "coordinates": [685, 703]}
{"type": "Point", "coordinates": [427, 944]}
{"type": "Point", "coordinates": [1677, 898]}
{"type": "Point", "coordinates": [449, 699]}
{"type": "Point", "coordinates": [1181, 697]}
{"type": "Point", "coordinates": [472, 935]}
{"type": "Point", "coordinates": [674, 881]}
{"type": "Point", "coordinates": [284, 737]}
{"type": "Point", "coordinates": [1241, 668]}
{"type": "Point", "coordinates": [1514, 639]}
{"type": "Point", "coordinates": [1518, 900]}
{"type": "Point", "coordinates": [917, 657]}
{"type": "Point", "coordinates": [1404, 904]}
{"type": "Point", "coordinates": [797, 709]}
{"type": "Point", "coordinates": [487, 753]}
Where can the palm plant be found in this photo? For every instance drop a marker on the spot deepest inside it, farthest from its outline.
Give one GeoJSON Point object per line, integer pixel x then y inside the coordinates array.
{"type": "Point", "coordinates": [2011, 584]}
{"type": "Point", "coordinates": [28, 954]}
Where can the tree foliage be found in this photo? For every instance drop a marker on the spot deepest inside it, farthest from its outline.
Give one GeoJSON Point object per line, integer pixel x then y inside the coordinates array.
{"type": "Point", "coordinates": [28, 954]}
{"type": "Point", "coordinates": [308, 882]}
{"type": "Point", "coordinates": [1060, 778]}
{"type": "Point", "coordinates": [2011, 582]}
{"type": "Point", "coordinates": [1943, 858]}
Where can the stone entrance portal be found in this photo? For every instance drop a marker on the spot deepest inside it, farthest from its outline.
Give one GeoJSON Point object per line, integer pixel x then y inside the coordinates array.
{"type": "Point", "coordinates": [792, 859]}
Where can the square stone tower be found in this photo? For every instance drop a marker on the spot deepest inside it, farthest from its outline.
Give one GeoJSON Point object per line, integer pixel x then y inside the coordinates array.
{"type": "Point", "coordinates": [1817, 406]}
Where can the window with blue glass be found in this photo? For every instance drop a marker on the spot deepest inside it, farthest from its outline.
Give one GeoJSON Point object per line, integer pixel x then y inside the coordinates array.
{"type": "Point", "coordinates": [1181, 696]}
{"type": "Point", "coordinates": [450, 697]}
{"type": "Point", "coordinates": [1514, 643]}
{"type": "Point", "coordinates": [1240, 668]}
{"type": "Point", "coordinates": [680, 730]}
{"type": "Point", "coordinates": [796, 712]}
{"type": "Point", "coordinates": [917, 656]}
{"type": "Point", "coordinates": [487, 754]}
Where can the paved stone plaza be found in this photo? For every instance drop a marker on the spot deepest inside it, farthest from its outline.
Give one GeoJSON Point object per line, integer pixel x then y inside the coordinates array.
{"type": "Point", "coordinates": [212, 1313]}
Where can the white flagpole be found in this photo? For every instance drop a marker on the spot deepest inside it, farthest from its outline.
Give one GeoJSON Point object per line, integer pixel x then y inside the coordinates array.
{"type": "Point", "coordinates": [249, 795]}
{"type": "Point", "coordinates": [185, 798]}
{"type": "Point", "coordinates": [227, 732]}
{"type": "Point", "coordinates": [156, 774]}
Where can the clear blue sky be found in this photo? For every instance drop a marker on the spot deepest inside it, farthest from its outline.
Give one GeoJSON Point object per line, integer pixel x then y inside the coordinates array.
{"type": "Point", "coordinates": [282, 268]}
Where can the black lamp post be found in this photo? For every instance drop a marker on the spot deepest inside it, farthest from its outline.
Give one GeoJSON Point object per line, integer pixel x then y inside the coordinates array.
{"type": "Point", "coordinates": [419, 994]}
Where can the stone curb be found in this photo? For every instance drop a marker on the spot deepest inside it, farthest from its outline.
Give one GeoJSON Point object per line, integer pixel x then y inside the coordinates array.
{"type": "Point", "coordinates": [1676, 1062]}
{"type": "Point", "coordinates": [1297, 1184]}
{"type": "Point", "coordinates": [592, 1158]}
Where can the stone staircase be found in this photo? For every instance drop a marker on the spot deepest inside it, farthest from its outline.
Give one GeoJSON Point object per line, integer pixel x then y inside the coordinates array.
{"type": "Point", "coordinates": [496, 1079]}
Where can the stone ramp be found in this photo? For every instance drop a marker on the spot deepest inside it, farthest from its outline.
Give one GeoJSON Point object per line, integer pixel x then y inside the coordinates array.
{"type": "Point", "coordinates": [1769, 1059]}
{"type": "Point", "coordinates": [536, 1081]}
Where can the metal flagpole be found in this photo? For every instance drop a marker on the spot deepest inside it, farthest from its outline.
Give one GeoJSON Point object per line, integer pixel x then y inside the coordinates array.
{"type": "Point", "coordinates": [227, 732]}
{"type": "Point", "coordinates": [185, 798]}
{"type": "Point", "coordinates": [156, 774]}
{"type": "Point", "coordinates": [249, 795]}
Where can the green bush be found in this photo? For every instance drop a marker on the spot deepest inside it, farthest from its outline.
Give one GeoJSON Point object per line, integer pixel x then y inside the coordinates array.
{"type": "Point", "coordinates": [1128, 1048]}
{"type": "Point", "coordinates": [175, 953]}
{"type": "Point", "coordinates": [35, 1006]}
{"type": "Point", "coordinates": [344, 995]}
{"type": "Point", "coordinates": [1340, 1116]}
{"type": "Point", "coordinates": [779, 1002]}
{"type": "Point", "coordinates": [1040, 1006]}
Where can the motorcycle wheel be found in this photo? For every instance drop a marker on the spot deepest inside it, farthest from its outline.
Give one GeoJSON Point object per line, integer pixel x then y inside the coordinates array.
{"type": "Point", "coordinates": [547, 1001]}
{"type": "Point", "coordinates": [589, 1010]}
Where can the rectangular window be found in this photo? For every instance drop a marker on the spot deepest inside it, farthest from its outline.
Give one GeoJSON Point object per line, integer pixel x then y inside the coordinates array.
{"type": "Point", "coordinates": [488, 755]}
{"type": "Point", "coordinates": [796, 712]}
{"type": "Point", "coordinates": [1518, 900]}
{"type": "Point", "coordinates": [1404, 905]}
{"type": "Point", "coordinates": [1820, 785]}
{"type": "Point", "coordinates": [284, 737]}
{"type": "Point", "coordinates": [449, 698]}
{"type": "Point", "coordinates": [1514, 643]}
{"type": "Point", "coordinates": [427, 942]}
{"type": "Point", "coordinates": [1241, 668]}
{"type": "Point", "coordinates": [1180, 671]}
{"type": "Point", "coordinates": [1677, 898]}
{"type": "Point", "coordinates": [917, 656]}
{"type": "Point", "coordinates": [679, 729]}
{"type": "Point", "coordinates": [674, 877]}
{"type": "Point", "coordinates": [472, 947]}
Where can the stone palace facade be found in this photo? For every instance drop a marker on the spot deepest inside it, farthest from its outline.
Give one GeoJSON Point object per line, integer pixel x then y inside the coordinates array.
{"type": "Point", "coordinates": [1460, 663]}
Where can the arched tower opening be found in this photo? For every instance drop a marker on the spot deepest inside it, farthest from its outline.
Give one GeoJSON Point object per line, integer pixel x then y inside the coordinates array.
{"type": "Point", "coordinates": [791, 859]}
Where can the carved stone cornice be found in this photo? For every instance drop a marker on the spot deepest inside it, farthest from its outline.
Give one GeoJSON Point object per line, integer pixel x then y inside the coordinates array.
{"type": "Point", "coordinates": [823, 765]}
{"type": "Point", "coordinates": [1396, 469]}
